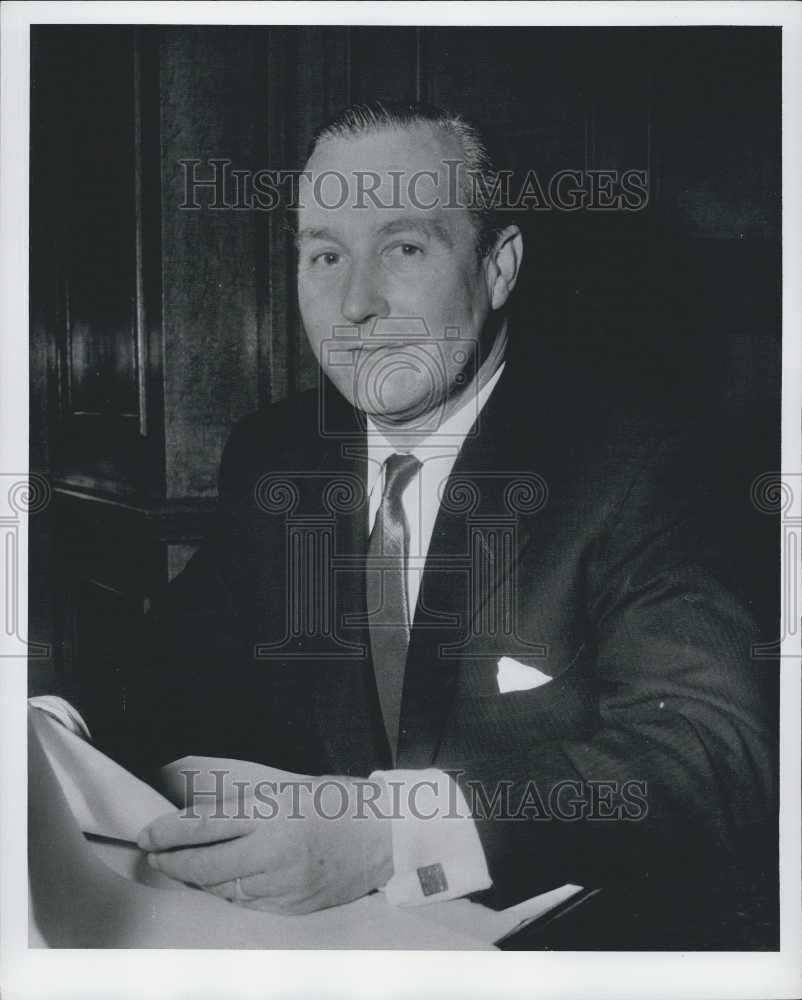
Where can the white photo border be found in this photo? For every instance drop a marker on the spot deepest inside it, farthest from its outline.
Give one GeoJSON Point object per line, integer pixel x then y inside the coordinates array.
{"type": "Point", "coordinates": [83, 974]}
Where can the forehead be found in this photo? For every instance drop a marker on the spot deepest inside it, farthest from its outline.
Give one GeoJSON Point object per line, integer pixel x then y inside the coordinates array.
{"type": "Point", "coordinates": [366, 180]}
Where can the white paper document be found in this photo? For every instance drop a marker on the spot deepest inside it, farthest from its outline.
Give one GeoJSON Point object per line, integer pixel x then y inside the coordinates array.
{"type": "Point", "coordinates": [98, 893]}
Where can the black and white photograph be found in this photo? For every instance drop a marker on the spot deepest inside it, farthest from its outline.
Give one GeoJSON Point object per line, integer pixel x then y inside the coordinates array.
{"type": "Point", "coordinates": [405, 556]}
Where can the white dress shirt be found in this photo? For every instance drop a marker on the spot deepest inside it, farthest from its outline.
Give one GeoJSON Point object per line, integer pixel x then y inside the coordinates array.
{"type": "Point", "coordinates": [421, 498]}
{"type": "Point", "coordinates": [437, 854]}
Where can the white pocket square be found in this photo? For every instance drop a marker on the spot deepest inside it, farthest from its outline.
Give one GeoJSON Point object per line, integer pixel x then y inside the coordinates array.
{"type": "Point", "coordinates": [515, 676]}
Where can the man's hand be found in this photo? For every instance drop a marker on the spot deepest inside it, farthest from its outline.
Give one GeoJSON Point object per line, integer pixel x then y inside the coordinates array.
{"type": "Point", "coordinates": [294, 847]}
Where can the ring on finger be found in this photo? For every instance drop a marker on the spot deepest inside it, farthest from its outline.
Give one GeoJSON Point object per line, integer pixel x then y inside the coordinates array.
{"type": "Point", "coordinates": [240, 896]}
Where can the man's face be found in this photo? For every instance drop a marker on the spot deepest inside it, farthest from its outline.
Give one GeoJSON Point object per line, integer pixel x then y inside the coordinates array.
{"type": "Point", "coordinates": [392, 293]}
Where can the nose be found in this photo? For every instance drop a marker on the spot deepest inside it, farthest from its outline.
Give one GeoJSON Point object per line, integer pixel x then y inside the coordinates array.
{"type": "Point", "coordinates": [363, 299]}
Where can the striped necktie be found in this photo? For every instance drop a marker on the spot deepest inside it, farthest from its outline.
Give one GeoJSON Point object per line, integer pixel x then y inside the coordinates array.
{"type": "Point", "coordinates": [388, 603]}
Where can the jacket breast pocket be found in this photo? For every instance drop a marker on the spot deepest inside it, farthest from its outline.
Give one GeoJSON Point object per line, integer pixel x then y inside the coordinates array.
{"type": "Point", "coordinates": [520, 704]}
{"type": "Point", "coordinates": [514, 675]}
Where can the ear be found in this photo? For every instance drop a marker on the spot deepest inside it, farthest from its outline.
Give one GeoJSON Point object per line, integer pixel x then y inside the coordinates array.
{"type": "Point", "coordinates": [503, 265]}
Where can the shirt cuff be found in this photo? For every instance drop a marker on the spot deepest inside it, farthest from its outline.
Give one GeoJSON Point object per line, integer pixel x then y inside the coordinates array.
{"type": "Point", "coordinates": [62, 711]}
{"type": "Point", "coordinates": [437, 854]}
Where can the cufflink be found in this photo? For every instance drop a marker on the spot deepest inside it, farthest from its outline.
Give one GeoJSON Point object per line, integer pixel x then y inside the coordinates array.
{"type": "Point", "coordinates": [432, 879]}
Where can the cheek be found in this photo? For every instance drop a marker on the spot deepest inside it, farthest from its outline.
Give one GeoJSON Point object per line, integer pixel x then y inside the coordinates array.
{"type": "Point", "coordinates": [319, 302]}
{"type": "Point", "coordinates": [474, 292]}
{"type": "Point", "coordinates": [457, 296]}
{"type": "Point", "coordinates": [306, 293]}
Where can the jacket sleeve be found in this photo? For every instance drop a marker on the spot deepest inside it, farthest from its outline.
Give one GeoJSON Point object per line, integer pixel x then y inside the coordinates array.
{"type": "Point", "coordinates": [678, 775]}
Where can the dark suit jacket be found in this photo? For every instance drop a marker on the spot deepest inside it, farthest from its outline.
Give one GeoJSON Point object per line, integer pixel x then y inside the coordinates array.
{"type": "Point", "coordinates": [573, 536]}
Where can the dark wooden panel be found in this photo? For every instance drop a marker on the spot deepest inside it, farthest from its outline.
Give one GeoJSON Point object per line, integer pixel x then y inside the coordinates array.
{"type": "Point", "coordinates": [98, 79]}
{"type": "Point", "coordinates": [46, 278]}
{"type": "Point", "coordinates": [150, 287]}
{"type": "Point", "coordinates": [83, 251]}
{"type": "Point", "coordinates": [214, 94]}
{"type": "Point", "coordinates": [278, 325]}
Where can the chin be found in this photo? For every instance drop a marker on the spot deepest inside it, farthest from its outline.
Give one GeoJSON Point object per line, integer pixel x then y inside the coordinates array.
{"type": "Point", "coordinates": [413, 416]}
{"type": "Point", "coordinates": [395, 397]}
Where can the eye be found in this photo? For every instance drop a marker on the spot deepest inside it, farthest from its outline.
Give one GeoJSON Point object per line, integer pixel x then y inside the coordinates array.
{"type": "Point", "coordinates": [326, 259]}
{"type": "Point", "coordinates": [405, 251]}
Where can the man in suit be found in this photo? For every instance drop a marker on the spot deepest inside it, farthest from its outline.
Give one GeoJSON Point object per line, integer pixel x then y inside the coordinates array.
{"type": "Point", "coordinates": [485, 599]}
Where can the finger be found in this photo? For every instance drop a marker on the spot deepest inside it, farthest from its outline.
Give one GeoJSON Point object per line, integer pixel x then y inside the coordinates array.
{"type": "Point", "coordinates": [210, 865]}
{"type": "Point", "coordinates": [178, 829]}
{"type": "Point", "coordinates": [265, 905]}
{"type": "Point", "coordinates": [286, 906]}
{"type": "Point", "coordinates": [254, 886]}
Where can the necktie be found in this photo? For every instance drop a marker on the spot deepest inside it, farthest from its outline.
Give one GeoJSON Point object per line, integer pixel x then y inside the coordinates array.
{"type": "Point", "coordinates": [386, 569]}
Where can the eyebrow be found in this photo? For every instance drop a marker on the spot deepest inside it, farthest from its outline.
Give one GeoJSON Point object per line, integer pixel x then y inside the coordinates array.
{"type": "Point", "coordinates": [427, 227]}
{"type": "Point", "coordinates": [311, 233]}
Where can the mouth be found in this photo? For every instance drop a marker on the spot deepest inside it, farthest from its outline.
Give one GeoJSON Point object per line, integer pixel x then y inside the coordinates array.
{"type": "Point", "coordinates": [373, 347]}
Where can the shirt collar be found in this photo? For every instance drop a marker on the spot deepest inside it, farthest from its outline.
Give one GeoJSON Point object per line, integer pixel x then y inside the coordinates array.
{"type": "Point", "coordinates": [448, 437]}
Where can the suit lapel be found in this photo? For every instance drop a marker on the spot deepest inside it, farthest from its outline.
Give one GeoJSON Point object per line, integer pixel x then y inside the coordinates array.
{"type": "Point", "coordinates": [469, 578]}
